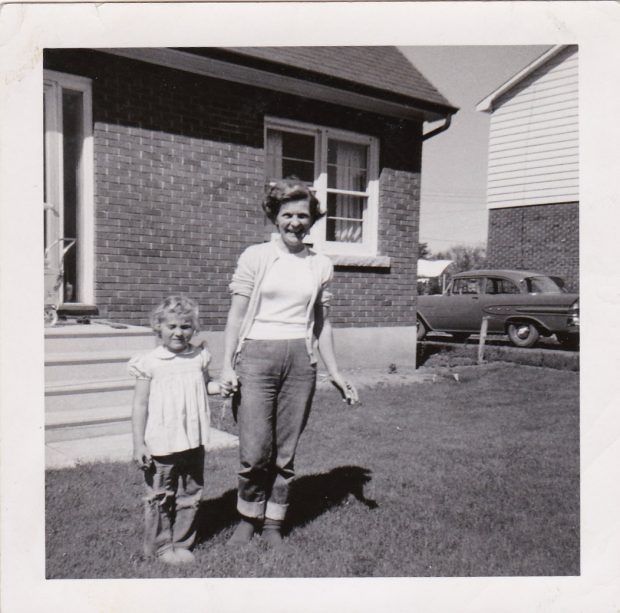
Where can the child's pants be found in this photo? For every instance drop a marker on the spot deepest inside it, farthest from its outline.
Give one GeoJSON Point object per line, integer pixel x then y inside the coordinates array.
{"type": "Point", "coordinates": [277, 384]}
{"type": "Point", "coordinates": [174, 488]}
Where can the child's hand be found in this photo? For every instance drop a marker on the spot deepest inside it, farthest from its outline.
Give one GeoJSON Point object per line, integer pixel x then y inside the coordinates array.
{"type": "Point", "coordinates": [228, 382]}
{"type": "Point", "coordinates": [142, 457]}
{"type": "Point", "coordinates": [346, 389]}
{"type": "Point", "coordinates": [214, 387]}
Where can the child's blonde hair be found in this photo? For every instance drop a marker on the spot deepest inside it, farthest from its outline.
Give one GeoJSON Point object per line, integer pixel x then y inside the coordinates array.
{"type": "Point", "coordinates": [179, 305]}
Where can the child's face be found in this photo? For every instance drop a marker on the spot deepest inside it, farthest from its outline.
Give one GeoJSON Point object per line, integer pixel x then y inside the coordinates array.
{"type": "Point", "coordinates": [176, 331]}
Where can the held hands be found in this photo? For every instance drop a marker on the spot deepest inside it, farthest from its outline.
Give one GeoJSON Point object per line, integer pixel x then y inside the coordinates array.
{"type": "Point", "coordinates": [228, 382]}
{"type": "Point", "coordinates": [346, 389]}
{"type": "Point", "coordinates": [142, 457]}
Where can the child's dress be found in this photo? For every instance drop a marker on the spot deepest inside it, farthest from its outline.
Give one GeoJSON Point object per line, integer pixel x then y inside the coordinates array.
{"type": "Point", "coordinates": [177, 428]}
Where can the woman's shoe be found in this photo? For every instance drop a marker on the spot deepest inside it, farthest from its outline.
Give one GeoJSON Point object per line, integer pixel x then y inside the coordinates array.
{"type": "Point", "coordinates": [169, 556]}
{"type": "Point", "coordinates": [243, 532]}
{"type": "Point", "coordinates": [272, 532]}
{"type": "Point", "coordinates": [185, 556]}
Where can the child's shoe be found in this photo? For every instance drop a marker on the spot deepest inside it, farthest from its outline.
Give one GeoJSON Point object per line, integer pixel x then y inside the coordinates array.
{"type": "Point", "coordinates": [272, 532]}
{"type": "Point", "coordinates": [243, 532]}
{"type": "Point", "coordinates": [185, 556]}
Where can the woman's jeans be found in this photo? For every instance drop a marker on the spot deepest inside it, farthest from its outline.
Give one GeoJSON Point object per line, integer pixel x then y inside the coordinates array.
{"type": "Point", "coordinates": [174, 488]}
{"type": "Point", "coordinates": [276, 383]}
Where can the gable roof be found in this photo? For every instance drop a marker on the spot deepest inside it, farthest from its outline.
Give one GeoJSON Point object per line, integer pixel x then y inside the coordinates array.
{"type": "Point", "coordinates": [380, 67]}
{"type": "Point", "coordinates": [375, 79]}
{"type": "Point", "coordinates": [379, 71]}
{"type": "Point", "coordinates": [487, 105]}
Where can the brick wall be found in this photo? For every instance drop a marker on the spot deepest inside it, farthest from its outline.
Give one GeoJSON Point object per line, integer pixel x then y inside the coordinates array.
{"type": "Point", "coordinates": [179, 178]}
{"type": "Point", "coordinates": [543, 238]}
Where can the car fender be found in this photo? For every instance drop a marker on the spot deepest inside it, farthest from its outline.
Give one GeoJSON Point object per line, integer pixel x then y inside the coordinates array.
{"type": "Point", "coordinates": [511, 314]}
{"type": "Point", "coordinates": [424, 320]}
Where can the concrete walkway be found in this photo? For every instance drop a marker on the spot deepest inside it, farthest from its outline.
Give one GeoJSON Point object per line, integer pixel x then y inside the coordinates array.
{"type": "Point", "coordinates": [111, 448]}
{"type": "Point", "coordinates": [118, 447]}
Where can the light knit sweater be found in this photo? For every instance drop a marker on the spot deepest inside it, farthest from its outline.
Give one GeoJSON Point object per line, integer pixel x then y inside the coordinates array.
{"type": "Point", "coordinates": [250, 273]}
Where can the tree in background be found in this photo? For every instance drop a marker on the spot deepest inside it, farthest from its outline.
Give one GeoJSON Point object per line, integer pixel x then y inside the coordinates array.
{"type": "Point", "coordinates": [465, 257]}
{"type": "Point", "coordinates": [424, 253]}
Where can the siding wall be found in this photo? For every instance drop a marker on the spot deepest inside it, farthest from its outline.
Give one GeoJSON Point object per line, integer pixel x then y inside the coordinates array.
{"type": "Point", "coordinates": [178, 181]}
{"type": "Point", "coordinates": [533, 144]}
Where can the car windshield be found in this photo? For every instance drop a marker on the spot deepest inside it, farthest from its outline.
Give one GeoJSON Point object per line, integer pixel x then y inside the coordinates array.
{"type": "Point", "coordinates": [543, 285]}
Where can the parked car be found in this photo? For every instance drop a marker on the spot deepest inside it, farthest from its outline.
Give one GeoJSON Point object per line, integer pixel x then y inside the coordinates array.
{"type": "Point", "coordinates": [523, 305]}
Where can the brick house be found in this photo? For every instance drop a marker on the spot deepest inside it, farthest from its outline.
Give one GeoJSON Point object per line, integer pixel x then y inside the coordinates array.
{"type": "Point", "coordinates": [533, 175]}
{"type": "Point", "coordinates": [156, 161]}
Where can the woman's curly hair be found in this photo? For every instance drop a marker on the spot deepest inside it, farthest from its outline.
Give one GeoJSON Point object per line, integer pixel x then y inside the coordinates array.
{"type": "Point", "coordinates": [289, 190]}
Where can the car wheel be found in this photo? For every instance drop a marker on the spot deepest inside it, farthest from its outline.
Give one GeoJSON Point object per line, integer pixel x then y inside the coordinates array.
{"type": "Point", "coordinates": [422, 329]}
{"type": "Point", "coordinates": [460, 337]}
{"type": "Point", "coordinates": [523, 334]}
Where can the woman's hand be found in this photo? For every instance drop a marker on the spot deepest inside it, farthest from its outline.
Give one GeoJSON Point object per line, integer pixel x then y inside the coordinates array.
{"type": "Point", "coordinates": [346, 389]}
{"type": "Point", "coordinates": [228, 382]}
{"type": "Point", "coordinates": [142, 457]}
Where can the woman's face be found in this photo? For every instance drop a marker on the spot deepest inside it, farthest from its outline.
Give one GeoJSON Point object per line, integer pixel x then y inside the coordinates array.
{"type": "Point", "coordinates": [293, 222]}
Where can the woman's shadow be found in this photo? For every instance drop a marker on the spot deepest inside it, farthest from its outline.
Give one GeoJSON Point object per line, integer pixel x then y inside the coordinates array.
{"type": "Point", "coordinates": [310, 497]}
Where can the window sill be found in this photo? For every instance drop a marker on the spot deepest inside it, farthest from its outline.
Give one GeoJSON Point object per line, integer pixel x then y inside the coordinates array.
{"type": "Point", "coordinates": [360, 261]}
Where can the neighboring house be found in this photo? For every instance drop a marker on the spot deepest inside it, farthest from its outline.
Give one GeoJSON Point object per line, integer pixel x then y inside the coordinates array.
{"type": "Point", "coordinates": [433, 275]}
{"type": "Point", "coordinates": [533, 175]}
{"type": "Point", "coordinates": [156, 161]}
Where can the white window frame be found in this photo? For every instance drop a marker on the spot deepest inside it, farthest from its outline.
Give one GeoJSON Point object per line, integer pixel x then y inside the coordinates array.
{"type": "Point", "coordinates": [369, 245]}
{"type": "Point", "coordinates": [55, 82]}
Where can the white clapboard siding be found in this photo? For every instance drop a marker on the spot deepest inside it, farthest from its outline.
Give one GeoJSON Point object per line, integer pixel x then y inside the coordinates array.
{"type": "Point", "coordinates": [557, 172]}
{"type": "Point", "coordinates": [534, 138]}
{"type": "Point", "coordinates": [533, 161]}
{"type": "Point", "coordinates": [541, 113]}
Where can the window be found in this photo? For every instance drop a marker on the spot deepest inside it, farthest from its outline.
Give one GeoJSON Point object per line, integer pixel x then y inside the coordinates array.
{"type": "Point", "coordinates": [466, 286]}
{"type": "Point", "coordinates": [342, 170]}
{"type": "Point", "coordinates": [501, 286]}
{"type": "Point", "coordinates": [543, 285]}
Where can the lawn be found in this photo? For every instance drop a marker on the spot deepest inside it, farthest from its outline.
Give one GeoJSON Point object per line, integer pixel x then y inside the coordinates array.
{"type": "Point", "coordinates": [472, 478]}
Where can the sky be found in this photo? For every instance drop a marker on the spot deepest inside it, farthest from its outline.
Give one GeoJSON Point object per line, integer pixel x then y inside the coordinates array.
{"type": "Point", "coordinates": [454, 163]}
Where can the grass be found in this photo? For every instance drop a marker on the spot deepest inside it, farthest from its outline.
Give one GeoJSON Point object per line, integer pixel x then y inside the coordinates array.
{"type": "Point", "coordinates": [477, 478]}
{"type": "Point", "coordinates": [450, 354]}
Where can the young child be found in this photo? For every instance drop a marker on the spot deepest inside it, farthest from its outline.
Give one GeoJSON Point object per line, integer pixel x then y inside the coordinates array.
{"type": "Point", "coordinates": [170, 424]}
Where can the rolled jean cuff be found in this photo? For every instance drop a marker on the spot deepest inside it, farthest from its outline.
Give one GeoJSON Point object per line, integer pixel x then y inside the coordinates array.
{"type": "Point", "coordinates": [254, 510]}
{"type": "Point", "coordinates": [276, 511]}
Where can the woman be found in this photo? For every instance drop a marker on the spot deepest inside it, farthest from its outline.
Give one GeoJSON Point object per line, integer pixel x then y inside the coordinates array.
{"type": "Point", "coordinates": [279, 309]}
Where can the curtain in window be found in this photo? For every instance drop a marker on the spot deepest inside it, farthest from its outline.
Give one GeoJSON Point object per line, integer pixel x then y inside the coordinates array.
{"type": "Point", "coordinates": [274, 154]}
{"type": "Point", "coordinates": [347, 171]}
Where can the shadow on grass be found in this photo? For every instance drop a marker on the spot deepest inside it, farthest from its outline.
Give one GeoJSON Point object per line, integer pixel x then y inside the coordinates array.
{"type": "Point", "coordinates": [310, 497]}
{"type": "Point", "coordinates": [313, 495]}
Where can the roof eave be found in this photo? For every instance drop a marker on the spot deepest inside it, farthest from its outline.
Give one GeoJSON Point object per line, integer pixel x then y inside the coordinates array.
{"type": "Point", "coordinates": [487, 105]}
{"type": "Point", "coordinates": [401, 108]}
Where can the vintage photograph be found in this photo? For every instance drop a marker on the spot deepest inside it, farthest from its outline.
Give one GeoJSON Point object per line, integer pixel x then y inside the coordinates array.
{"type": "Point", "coordinates": [309, 307]}
{"type": "Point", "coordinates": [311, 311]}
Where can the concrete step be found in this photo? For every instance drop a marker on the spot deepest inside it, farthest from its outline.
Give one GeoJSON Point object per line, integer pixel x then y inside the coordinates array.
{"type": "Point", "coordinates": [76, 395]}
{"type": "Point", "coordinates": [82, 366]}
{"type": "Point", "coordinates": [87, 415]}
{"type": "Point", "coordinates": [87, 431]}
{"type": "Point", "coordinates": [96, 338]}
